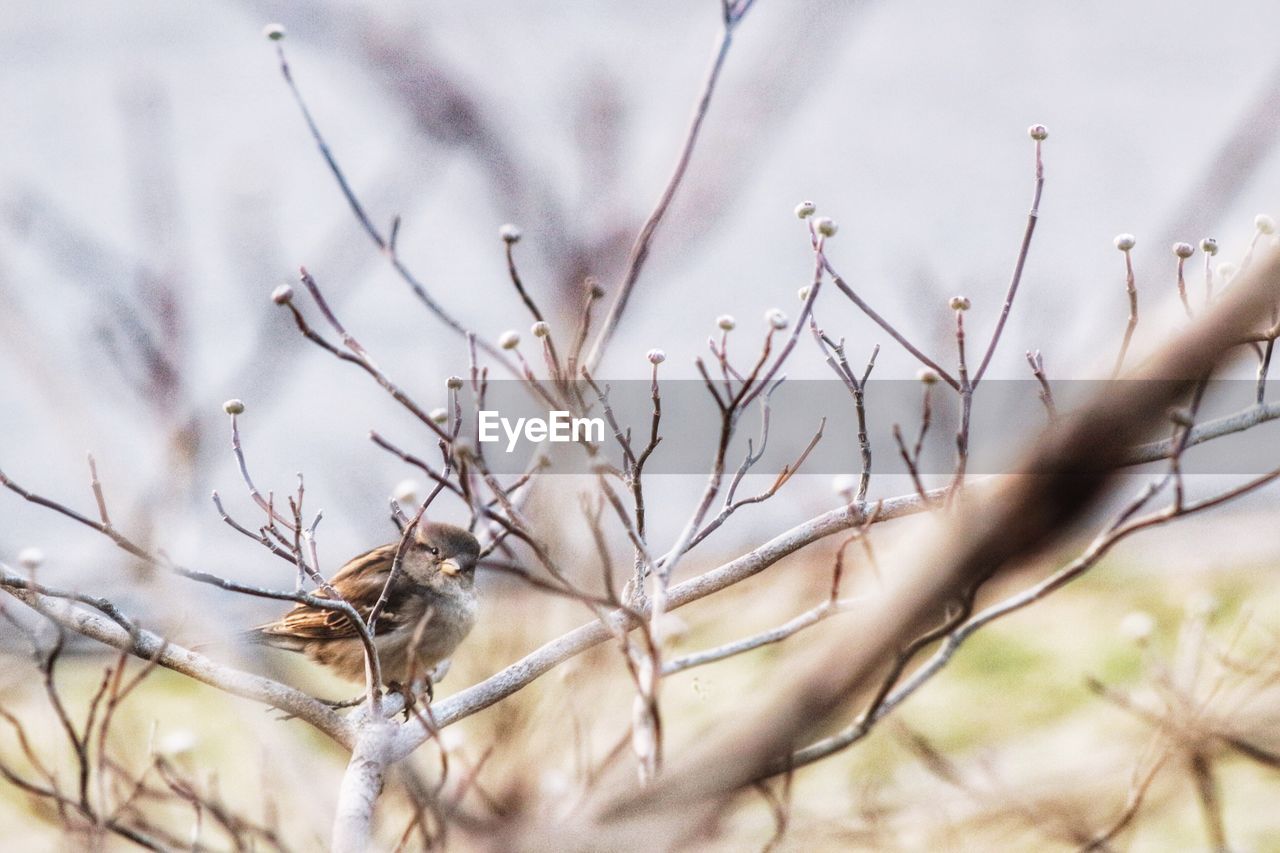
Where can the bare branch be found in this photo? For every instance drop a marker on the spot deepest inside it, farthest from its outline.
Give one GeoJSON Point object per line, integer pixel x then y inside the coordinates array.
{"type": "Point", "coordinates": [1033, 216]}
{"type": "Point", "coordinates": [640, 250]}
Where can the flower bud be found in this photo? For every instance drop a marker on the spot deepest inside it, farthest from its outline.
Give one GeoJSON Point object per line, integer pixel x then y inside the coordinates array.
{"type": "Point", "coordinates": [1183, 250]}
{"type": "Point", "coordinates": [1038, 132]}
{"type": "Point", "coordinates": [1265, 224]}
{"type": "Point", "coordinates": [451, 739]}
{"type": "Point", "coordinates": [233, 407]}
{"type": "Point", "coordinates": [509, 233]}
{"type": "Point", "coordinates": [177, 744]}
{"type": "Point", "coordinates": [453, 383]}
{"type": "Point", "coordinates": [509, 339]}
{"type": "Point", "coordinates": [1227, 271]}
{"type": "Point", "coordinates": [594, 288]}
{"type": "Point", "coordinates": [439, 415]}
{"type": "Point", "coordinates": [282, 294]}
{"type": "Point", "coordinates": [1137, 627]}
{"type": "Point", "coordinates": [656, 356]}
{"type": "Point", "coordinates": [960, 303]}
{"type": "Point", "coordinates": [826, 226]}
{"type": "Point", "coordinates": [406, 492]}
{"type": "Point", "coordinates": [274, 32]}
{"type": "Point", "coordinates": [726, 322]}
{"type": "Point", "coordinates": [1124, 242]}
{"type": "Point", "coordinates": [776, 319]}
{"type": "Point", "coordinates": [805, 209]}
{"type": "Point", "coordinates": [803, 293]}
{"type": "Point", "coordinates": [31, 558]}
{"type": "Point", "coordinates": [540, 329]}
{"type": "Point", "coordinates": [1209, 246]}
{"type": "Point", "coordinates": [927, 375]}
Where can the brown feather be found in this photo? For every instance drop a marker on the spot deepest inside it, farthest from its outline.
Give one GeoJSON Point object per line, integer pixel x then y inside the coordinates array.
{"type": "Point", "coordinates": [428, 612]}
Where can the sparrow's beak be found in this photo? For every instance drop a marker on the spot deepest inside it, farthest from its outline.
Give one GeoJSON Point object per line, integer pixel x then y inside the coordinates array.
{"type": "Point", "coordinates": [450, 567]}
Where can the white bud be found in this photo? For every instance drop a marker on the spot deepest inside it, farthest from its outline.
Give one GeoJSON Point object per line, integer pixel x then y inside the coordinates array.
{"type": "Point", "coordinates": [656, 356]}
{"type": "Point", "coordinates": [509, 339]}
{"type": "Point", "coordinates": [554, 785]}
{"type": "Point", "coordinates": [540, 329]}
{"type": "Point", "coordinates": [453, 383]}
{"type": "Point", "coordinates": [1265, 224]}
{"type": "Point", "coordinates": [275, 32]}
{"type": "Point", "coordinates": [1183, 250]}
{"type": "Point", "coordinates": [1038, 132]}
{"type": "Point", "coordinates": [843, 484]}
{"type": "Point", "coordinates": [464, 449]}
{"type": "Point", "coordinates": [1125, 242]}
{"type": "Point", "coordinates": [177, 743]}
{"type": "Point", "coordinates": [803, 293]}
{"type": "Point", "coordinates": [1137, 627]}
{"type": "Point", "coordinates": [1209, 246]}
{"type": "Point", "coordinates": [805, 209]}
{"type": "Point", "coordinates": [509, 233]}
{"type": "Point", "coordinates": [1227, 271]}
{"type": "Point", "coordinates": [927, 375]}
{"type": "Point", "coordinates": [776, 319]}
{"type": "Point", "coordinates": [31, 558]}
{"type": "Point", "coordinates": [233, 407]}
{"type": "Point", "coordinates": [726, 322]}
{"type": "Point", "coordinates": [406, 491]}
{"type": "Point", "coordinates": [826, 226]}
{"type": "Point", "coordinates": [439, 415]}
{"type": "Point", "coordinates": [451, 739]}
{"type": "Point", "coordinates": [282, 294]}
{"type": "Point", "coordinates": [959, 303]}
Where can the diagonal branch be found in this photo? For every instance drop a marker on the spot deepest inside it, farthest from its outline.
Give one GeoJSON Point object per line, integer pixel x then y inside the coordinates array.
{"type": "Point", "coordinates": [150, 646]}
{"type": "Point", "coordinates": [640, 249]}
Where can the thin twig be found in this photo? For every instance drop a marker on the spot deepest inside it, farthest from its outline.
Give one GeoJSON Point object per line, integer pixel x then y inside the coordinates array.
{"type": "Point", "coordinates": [640, 249]}
{"type": "Point", "coordinates": [1033, 216]}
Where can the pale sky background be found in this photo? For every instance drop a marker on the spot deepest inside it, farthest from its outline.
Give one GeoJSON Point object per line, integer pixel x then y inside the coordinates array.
{"type": "Point", "coordinates": [159, 136]}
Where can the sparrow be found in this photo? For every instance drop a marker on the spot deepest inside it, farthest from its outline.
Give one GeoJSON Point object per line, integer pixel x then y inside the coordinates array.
{"type": "Point", "coordinates": [431, 607]}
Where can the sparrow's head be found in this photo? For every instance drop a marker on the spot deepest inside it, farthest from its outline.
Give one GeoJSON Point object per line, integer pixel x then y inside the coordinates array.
{"type": "Point", "coordinates": [442, 557]}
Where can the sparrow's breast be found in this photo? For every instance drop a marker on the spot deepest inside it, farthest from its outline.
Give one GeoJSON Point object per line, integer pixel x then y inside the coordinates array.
{"type": "Point", "coordinates": [452, 618]}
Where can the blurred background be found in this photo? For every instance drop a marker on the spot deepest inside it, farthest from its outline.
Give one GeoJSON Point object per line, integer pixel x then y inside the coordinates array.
{"type": "Point", "coordinates": [157, 182]}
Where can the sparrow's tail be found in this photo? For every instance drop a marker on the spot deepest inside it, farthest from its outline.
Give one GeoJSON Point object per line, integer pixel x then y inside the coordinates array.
{"type": "Point", "coordinates": [264, 636]}
{"type": "Point", "coordinates": [259, 636]}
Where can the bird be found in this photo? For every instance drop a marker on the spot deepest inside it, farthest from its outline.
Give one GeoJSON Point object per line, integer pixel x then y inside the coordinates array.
{"type": "Point", "coordinates": [431, 607]}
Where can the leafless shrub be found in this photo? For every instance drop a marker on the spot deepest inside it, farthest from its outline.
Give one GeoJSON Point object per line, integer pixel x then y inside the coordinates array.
{"type": "Point", "coordinates": [924, 607]}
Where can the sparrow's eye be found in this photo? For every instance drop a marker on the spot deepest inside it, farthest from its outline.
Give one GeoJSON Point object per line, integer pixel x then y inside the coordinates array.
{"type": "Point", "coordinates": [433, 550]}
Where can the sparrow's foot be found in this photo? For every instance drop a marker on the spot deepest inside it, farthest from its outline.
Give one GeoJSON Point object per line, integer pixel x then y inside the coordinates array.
{"type": "Point", "coordinates": [405, 691]}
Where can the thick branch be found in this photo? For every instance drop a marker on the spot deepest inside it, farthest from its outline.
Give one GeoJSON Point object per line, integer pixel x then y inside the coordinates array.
{"type": "Point", "coordinates": [524, 671]}
{"type": "Point", "coordinates": [150, 646]}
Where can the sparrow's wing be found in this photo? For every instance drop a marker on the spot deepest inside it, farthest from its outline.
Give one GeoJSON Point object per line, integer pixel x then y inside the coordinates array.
{"type": "Point", "coordinates": [360, 582]}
